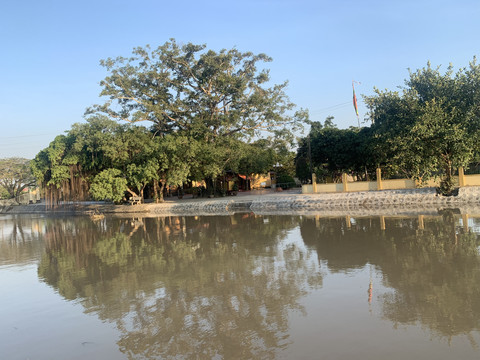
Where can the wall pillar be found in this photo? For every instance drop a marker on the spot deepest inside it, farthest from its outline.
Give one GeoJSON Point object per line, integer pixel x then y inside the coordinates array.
{"type": "Point", "coordinates": [382, 222]}
{"type": "Point", "coordinates": [465, 222]}
{"type": "Point", "coordinates": [344, 182]}
{"type": "Point", "coordinates": [314, 183]}
{"type": "Point", "coordinates": [421, 224]}
{"type": "Point", "coordinates": [461, 176]}
{"type": "Point", "coordinates": [379, 179]}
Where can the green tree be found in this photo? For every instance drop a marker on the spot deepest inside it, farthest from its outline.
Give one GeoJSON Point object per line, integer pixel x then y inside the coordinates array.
{"type": "Point", "coordinates": [134, 154]}
{"type": "Point", "coordinates": [65, 168]}
{"type": "Point", "coordinates": [432, 127]}
{"type": "Point", "coordinates": [257, 158]}
{"type": "Point", "coordinates": [333, 151]}
{"type": "Point", "coordinates": [177, 157]}
{"type": "Point", "coordinates": [3, 193]}
{"type": "Point", "coordinates": [202, 94]}
{"type": "Point", "coordinates": [92, 140]}
{"type": "Point", "coordinates": [15, 176]}
{"type": "Point", "coordinates": [109, 184]}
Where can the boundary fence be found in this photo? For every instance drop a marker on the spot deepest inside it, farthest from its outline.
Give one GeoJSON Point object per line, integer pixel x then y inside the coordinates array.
{"type": "Point", "coordinates": [380, 184]}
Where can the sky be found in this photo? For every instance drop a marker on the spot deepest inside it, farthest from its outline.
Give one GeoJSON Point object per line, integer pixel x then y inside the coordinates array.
{"type": "Point", "coordinates": [51, 49]}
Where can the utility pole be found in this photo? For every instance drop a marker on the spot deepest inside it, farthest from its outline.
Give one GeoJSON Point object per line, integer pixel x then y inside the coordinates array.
{"type": "Point", "coordinates": [310, 156]}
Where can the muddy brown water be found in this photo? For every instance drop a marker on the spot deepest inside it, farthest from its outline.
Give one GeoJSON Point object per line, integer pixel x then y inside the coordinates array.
{"type": "Point", "coordinates": [240, 287]}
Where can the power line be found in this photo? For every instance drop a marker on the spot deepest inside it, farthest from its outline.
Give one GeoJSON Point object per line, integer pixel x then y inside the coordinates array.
{"type": "Point", "coordinates": [333, 107]}
{"type": "Point", "coordinates": [24, 136]}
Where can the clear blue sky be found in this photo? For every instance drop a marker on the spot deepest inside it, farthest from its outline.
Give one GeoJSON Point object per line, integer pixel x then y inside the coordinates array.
{"type": "Point", "coordinates": [50, 50]}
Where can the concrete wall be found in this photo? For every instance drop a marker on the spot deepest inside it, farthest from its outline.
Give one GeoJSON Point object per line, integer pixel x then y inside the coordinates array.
{"type": "Point", "coordinates": [398, 184]}
{"type": "Point", "coordinates": [362, 186]}
{"type": "Point", "coordinates": [395, 184]}
{"type": "Point", "coordinates": [259, 181]}
{"type": "Point", "coordinates": [472, 180]}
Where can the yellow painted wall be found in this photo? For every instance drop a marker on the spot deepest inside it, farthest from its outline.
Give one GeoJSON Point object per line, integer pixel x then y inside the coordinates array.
{"type": "Point", "coordinates": [469, 180]}
{"type": "Point", "coordinates": [259, 181]}
{"type": "Point", "coordinates": [307, 189]}
{"type": "Point", "coordinates": [398, 184]}
{"type": "Point", "coordinates": [472, 180]}
{"type": "Point", "coordinates": [362, 186]}
{"type": "Point", "coordinates": [328, 188]}
{"type": "Point", "coordinates": [429, 183]}
{"type": "Point", "coordinates": [322, 188]}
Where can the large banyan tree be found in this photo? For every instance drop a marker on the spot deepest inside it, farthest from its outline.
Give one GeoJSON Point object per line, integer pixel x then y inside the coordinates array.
{"type": "Point", "coordinates": [212, 98]}
{"type": "Point", "coordinates": [100, 159]}
{"type": "Point", "coordinates": [64, 167]}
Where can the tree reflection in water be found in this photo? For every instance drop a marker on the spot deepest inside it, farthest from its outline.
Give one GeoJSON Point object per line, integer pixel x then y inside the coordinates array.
{"type": "Point", "coordinates": [434, 271]}
{"type": "Point", "coordinates": [19, 240]}
{"type": "Point", "coordinates": [184, 286]}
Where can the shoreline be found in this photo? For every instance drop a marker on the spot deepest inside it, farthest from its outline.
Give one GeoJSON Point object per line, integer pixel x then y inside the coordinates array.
{"type": "Point", "coordinates": [368, 203]}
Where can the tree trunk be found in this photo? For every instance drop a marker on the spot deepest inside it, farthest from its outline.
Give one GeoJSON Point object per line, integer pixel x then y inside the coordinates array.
{"type": "Point", "coordinates": [132, 193]}
{"type": "Point", "coordinates": [446, 184]}
{"type": "Point", "coordinates": [448, 171]}
{"type": "Point", "coordinates": [155, 191]}
{"type": "Point", "coordinates": [210, 187]}
{"type": "Point", "coordinates": [162, 188]}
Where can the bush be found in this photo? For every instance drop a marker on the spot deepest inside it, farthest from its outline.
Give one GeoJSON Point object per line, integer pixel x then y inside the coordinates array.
{"type": "Point", "coordinates": [285, 181]}
{"type": "Point", "coordinates": [4, 194]}
{"type": "Point", "coordinates": [109, 184]}
{"type": "Point", "coordinates": [447, 187]}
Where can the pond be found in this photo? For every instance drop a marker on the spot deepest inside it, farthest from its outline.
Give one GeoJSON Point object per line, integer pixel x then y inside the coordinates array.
{"type": "Point", "coordinates": [243, 286]}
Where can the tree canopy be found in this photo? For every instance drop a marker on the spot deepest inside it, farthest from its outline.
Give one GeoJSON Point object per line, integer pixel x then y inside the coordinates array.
{"type": "Point", "coordinates": [15, 176]}
{"type": "Point", "coordinates": [192, 90]}
{"type": "Point", "coordinates": [433, 125]}
{"type": "Point", "coordinates": [333, 151]}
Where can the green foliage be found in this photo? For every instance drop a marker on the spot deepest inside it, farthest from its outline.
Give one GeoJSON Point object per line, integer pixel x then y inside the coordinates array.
{"type": "Point", "coordinates": [51, 165]}
{"type": "Point", "coordinates": [432, 127]}
{"type": "Point", "coordinates": [302, 168]}
{"type": "Point", "coordinates": [333, 151]}
{"type": "Point", "coordinates": [285, 181]}
{"type": "Point", "coordinates": [214, 99]}
{"type": "Point", "coordinates": [15, 176]}
{"type": "Point", "coordinates": [192, 90]}
{"type": "Point", "coordinates": [4, 193]}
{"type": "Point", "coordinates": [256, 158]}
{"type": "Point", "coordinates": [109, 184]}
{"type": "Point", "coordinates": [93, 140]}
{"type": "Point", "coordinates": [177, 156]}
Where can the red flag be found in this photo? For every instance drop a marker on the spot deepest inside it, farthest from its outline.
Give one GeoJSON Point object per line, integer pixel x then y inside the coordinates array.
{"type": "Point", "coordinates": [355, 102]}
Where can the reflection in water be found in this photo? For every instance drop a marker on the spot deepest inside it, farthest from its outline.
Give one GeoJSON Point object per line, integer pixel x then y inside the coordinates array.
{"type": "Point", "coordinates": [19, 240]}
{"type": "Point", "coordinates": [212, 286]}
{"type": "Point", "coordinates": [225, 287]}
{"type": "Point", "coordinates": [433, 265]}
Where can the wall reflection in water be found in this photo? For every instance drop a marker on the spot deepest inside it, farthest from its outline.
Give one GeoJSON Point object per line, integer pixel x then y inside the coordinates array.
{"type": "Point", "coordinates": [432, 263]}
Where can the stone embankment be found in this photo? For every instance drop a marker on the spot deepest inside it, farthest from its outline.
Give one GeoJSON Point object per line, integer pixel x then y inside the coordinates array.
{"type": "Point", "coordinates": [386, 202]}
